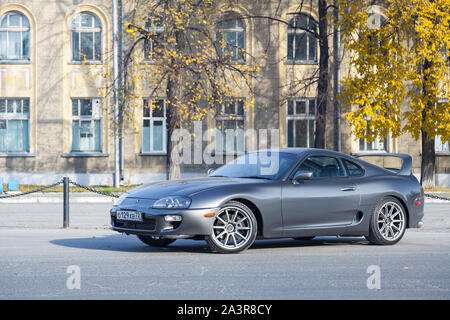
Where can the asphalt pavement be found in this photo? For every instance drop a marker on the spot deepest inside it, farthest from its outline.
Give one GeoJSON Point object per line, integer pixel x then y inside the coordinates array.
{"type": "Point", "coordinates": [36, 254]}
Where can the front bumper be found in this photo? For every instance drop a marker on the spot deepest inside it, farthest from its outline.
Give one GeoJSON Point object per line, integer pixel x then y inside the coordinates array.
{"type": "Point", "coordinates": [193, 223]}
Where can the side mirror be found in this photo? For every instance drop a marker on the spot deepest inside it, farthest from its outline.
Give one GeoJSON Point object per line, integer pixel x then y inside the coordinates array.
{"type": "Point", "coordinates": [301, 175]}
{"type": "Point", "coordinates": [210, 171]}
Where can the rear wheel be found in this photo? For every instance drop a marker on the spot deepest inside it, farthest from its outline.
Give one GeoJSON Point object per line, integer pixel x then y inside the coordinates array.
{"type": "Point", "coordinates": [155, 241]}
{"type": "Point", "coordinates": [388, 222]}
{"type": "Point", "coordinates": [234, 229]}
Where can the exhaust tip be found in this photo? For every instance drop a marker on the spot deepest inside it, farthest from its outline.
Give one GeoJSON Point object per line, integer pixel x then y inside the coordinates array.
{"type": "Point", "coordinates": [419, 224]}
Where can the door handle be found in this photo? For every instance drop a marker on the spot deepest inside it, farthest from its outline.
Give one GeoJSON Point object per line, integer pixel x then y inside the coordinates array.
{"type": "Point", "coordinates": [348, 189]}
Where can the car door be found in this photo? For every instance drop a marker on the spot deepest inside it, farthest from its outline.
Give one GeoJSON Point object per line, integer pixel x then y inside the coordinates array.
{"type": "Point", "coordinates": [329, 199]}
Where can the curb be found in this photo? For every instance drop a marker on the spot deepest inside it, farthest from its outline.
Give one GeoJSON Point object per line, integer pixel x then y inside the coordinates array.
{"type": "Point", "coordinates": [436, 201]}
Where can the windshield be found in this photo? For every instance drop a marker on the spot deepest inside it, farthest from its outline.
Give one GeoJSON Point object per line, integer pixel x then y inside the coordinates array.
{"type": "Point", "coordinates": [257, 165]}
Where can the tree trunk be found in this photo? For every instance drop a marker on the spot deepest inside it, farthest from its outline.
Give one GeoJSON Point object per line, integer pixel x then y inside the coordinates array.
{"type": "Point", "coordinates": [428, 165]}
{"type": "Point", "coordinates": [172, 167]}
{"type": "Point", "coordinates": [322, 87]}
{"type": "Point", "coordinates": [427, 172]}
{"type": "Point", "coordinates": [173, 88]}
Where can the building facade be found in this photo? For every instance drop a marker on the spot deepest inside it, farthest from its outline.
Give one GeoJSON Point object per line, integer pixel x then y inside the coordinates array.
{"type": "Point", "coordinates": [55, 118]}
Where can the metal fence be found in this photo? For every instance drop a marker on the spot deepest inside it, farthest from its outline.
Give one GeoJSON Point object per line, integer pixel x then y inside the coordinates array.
{"type": "Point", "coordinates": [66, 182]}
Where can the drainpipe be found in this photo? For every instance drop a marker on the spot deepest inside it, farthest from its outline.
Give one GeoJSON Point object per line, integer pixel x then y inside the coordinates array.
{"type": "Point", "coordinates": [337, 71]}
{"type": "Point", "coordinates": [122, 89]}
{"type": "Point", "coordinates": [116, 176]}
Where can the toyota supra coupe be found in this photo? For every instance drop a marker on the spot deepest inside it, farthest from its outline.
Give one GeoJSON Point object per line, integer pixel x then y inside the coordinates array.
{"type": "Point", "coordinates": [286, 193]}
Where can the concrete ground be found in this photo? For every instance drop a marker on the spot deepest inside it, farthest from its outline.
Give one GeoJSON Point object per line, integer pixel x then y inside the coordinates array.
{"type": "Point", "coordinates": [35, 255]}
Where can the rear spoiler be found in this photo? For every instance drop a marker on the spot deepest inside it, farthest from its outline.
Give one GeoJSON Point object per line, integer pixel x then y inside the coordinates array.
{"type": "Point", "coordinates": [405, 170]}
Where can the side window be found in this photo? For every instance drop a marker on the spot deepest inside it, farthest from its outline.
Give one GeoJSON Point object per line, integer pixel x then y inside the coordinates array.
{"type": "Point", "coordinates": [322, 167]}
{"type": "Point", "coordinates": [352, 168]}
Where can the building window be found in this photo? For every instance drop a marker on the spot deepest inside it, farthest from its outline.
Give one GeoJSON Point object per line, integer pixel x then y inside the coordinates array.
{"type": "Point", "coordinates": [231, 29]}
{"type": "Point", "coordinates": [86, 37]}
{"type": "Point", "coordinates": [14, 37]}
{"type": "Point", "coordinates": [440, 146]}
{"type": "Point", "coordinates": [230, 127]}
{"type": "Point", "coordinates": [301, 123]}
{"type": "Point", "coordinates": [154, 133]}
{"type": "Point", "coordinates": [301, 38]}
{"type": "Point", "coordinates": [86, 125]}
{"type": "Point", "coordinates": [376, 145]}
{"type": "Point", "coordinates": [14, 125]}
{"type": "Point", "coordinates": [152, 44]}
{"type": "Point", "coordinates": [374, 23]}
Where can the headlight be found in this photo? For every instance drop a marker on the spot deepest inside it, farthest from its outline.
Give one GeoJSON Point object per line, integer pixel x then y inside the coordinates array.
{"type": "Point", "coordinates": [119, 200]}
{"type": "Point", "coordinates": [175, 202]}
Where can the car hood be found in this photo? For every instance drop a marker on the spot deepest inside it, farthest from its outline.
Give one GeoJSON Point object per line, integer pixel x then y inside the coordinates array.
{"type": "Point", "coordinates": [185, 187]}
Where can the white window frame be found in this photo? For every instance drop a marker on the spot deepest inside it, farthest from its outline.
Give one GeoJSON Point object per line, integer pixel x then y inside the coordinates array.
{"type": "Point", "coordinates": [445, 147]}
{"type": "Point", "coordinates": [22, 29]}
{"type": "Point", "coordinates": [93, 30]}
{"type": "Point", "coordinates": [236, 29]}
{"type": "Point", "coordinates": [377, 142]}
{"type": "Point", "coordinates": [83, 118]}
{"type": "Point", "coordinates": [291, 29]}
{"type": "Point", "coordinates": [15, 116]}
{"type": "Point", "coordinates": [152, 120]}
{"type": "Point", "coordinates": [148, 46]}
{"type": "Point", "coordinates": [236, 117]}
{"type": "Point", "coordinates": [301, 116]}
{"type": "Point", "coordinates": [375, 20]}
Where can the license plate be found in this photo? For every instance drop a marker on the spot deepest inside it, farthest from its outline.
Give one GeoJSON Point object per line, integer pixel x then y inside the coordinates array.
{"type": "Point", "coordinates": [129, 215]}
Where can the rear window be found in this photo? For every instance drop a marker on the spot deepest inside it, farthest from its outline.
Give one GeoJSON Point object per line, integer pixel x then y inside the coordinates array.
{"type": "Point", "coordinates": [352, 168]}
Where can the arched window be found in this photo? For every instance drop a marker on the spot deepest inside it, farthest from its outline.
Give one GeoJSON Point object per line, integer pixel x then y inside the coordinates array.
{"type": "Point", "coordinates": [301, 38]}
{"type": "Point", "coordinates": [374, 22]}
{"type": "Point", "coordinates": [152, 44]}
{"type": "Point", "coordinates": [14, 37]}
{"type": "Point", "coordinates": [231, 29]}
{"type": "Point", "coordinates": [86, 37]}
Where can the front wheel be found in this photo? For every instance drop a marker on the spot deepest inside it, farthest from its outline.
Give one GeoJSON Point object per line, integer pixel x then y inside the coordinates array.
{"type": "Point", "coordinates": [155, 241]}
{"type": "Point", "coordinates": [234, 229]}
{"type": "Point", "coordinates": [387, 223]}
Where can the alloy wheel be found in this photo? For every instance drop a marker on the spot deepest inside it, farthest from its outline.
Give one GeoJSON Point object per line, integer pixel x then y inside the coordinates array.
{"type": "Point", "coordinates": [390, 221]}
{"type": "Point", "coordinates": [232, 228]}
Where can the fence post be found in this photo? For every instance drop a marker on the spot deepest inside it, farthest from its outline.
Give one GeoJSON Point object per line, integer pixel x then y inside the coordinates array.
{"type": "Point", "coordinates": [66, 202]}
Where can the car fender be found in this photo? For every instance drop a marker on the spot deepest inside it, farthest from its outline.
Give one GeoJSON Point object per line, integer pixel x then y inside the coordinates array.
{"type": "Point", "coordinates": [266, 196]}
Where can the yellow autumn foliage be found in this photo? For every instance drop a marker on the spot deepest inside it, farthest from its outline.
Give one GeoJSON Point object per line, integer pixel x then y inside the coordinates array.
{"type": "Point", "coordinates": [403, 61]}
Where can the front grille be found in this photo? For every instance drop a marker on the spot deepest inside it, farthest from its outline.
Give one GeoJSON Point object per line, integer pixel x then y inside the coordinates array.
{"type": "Point", "coordinates": [147, 224]}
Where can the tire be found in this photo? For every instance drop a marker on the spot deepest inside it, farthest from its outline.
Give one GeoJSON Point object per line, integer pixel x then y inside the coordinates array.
{"type": "Point", "coordinates": [304, 238]}
{"type": "Point", "coordinates": [234, 229]}
{"type": "Point", "coordinates": [155, 241]}
{"type": "Point", "coordinates": [387, 222]}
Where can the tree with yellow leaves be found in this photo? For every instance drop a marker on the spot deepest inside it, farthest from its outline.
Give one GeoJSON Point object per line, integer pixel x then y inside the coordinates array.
{"type": "Point", "coordinates": [188, 59]}
{"type": "Point", "coordinates": [400, 60]}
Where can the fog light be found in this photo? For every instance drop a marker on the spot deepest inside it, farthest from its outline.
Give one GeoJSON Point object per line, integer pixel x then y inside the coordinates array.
{"type": "Point", "coordinates": [172, 218]}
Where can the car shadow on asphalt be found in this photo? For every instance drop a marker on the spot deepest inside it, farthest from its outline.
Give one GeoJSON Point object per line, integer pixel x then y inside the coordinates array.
{"type": "Point", "coordinates": [121, 243]}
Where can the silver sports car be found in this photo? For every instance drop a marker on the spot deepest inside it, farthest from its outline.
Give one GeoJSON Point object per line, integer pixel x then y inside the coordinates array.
{"type": "Point", "coordinates": [287, 193]}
